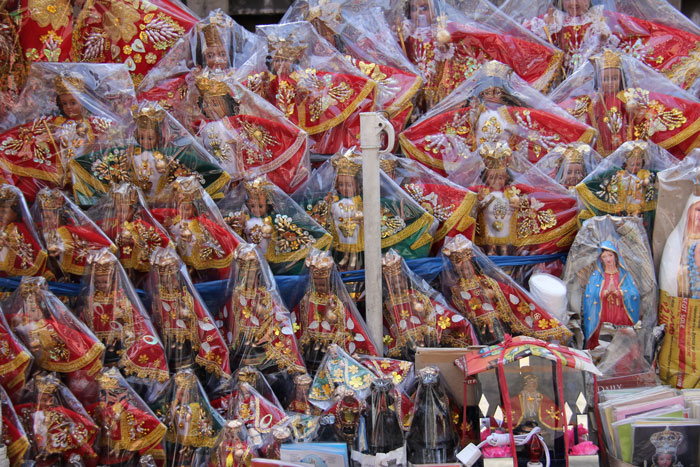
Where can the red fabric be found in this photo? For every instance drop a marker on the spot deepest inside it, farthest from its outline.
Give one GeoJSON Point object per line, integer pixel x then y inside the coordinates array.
{"type": "Point", "coordinates": [46, 30]}
{"type": "Point", "coordinates": [169, 93]}
{"type": "Point", "coordinates": [10, 351]}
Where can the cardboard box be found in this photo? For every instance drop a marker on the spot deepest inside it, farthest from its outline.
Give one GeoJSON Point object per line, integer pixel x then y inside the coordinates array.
{"type": "Point", "coordinates": [444, 359]}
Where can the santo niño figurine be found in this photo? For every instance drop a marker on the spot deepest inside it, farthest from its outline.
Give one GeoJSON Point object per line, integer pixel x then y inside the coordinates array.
{"type": "Point", "coordinates": [20, 249]}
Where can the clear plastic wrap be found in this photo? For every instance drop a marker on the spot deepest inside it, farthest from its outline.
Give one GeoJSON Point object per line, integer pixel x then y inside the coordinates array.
{"type": "Point", "coordinates": [448, 45]}
{"type": "Point", "coordinates": [403, 377]}
{"type": "Point", "coordinates": [610, 278]}
{"type": "Point", "coordinates": [129, 429]}
{"type": "Point", "coordinates": [233, 448]}
{"type": "Point", "coordinates": [625, 100]}
{"type": "Point", "coordinates": [365, 39]}
{"type": "Point", "coordinates": [579, 29]}
{"type": "Point", "coordinates": [383, 433]}
{"type": "Point", "coordinates": [62, 111]}
{"type": "Point", "coordinates": [57, 339]}
{"type": "Point", "coordinates": [157, 151]}
{"type": "Point", "coordinates": [333, 197]}
{"type": "Point", "coordinates": [14, 436]}
{"type": "Point", "coordinates": [68, 234]}
{"type": "Point", "coordinates": [14, 66]}
{"type": "Point", "coordinates": [189, 333]}
{"type": "Point", "coordinates": [193, 426]}
{"type": "Point", "coordinates": [416, 315]}
{"type": "Point", "coordinates": [257, 326]}
{"type": "Point", "coordinates": [494, 104]}
{"type": "Point", "coordinates": [135, 34]}
{"type": "Point", "coordinates": [109, 305]}
{"type": "Point", "coordinates": [520, 210]}
{"type": "Point", "coordinates": [21, 253]}
{"type": "Point", "coordinates": [569, 164]}
{"type": "Point", "coordinates": [625, 183]}
{"type": "Point", "coordinates": [123, 216]}
{"type": "Point", "coordinates": [311, 83]}
{"type": "Point", "coordinates": [264, 215]}
{"type": "Point", "coordinates": [16, 361]}
{"type": "Point", "coordinates": [432, 438]}
{"type": "Point", "coordinates": [247, 134]}
{"type": "Point", "coordinates": [56, 423]}
{"type": "Point", "coordinates": [450, 204]}
{"type": "Point", "coordinates": [327, 315]}
{"type": "Point", "coordinates": [344, 419]}
{"type": "Point", "coordinates": [201, 236]}
{"type": "Point", "coordinates": [45, 29]}
{"type": "Point", "coordinates": [339, 372]}
{"type": "Point", "coordinates": [490, 299]}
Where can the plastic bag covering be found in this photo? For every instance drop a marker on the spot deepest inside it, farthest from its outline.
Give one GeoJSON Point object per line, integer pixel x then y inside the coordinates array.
{"type": "Point", "coordinates": [492, 301]}
{"type": "Point", "coordinates": [14, 436]}
{"type": "Point", "coordinates": [415, 315]}
{"type": "Point", "coordinates": [217, 42]}
{"type": "Point", "coordinates": [257, 326]}
{"type": "Point", "coordinates": [450, 204]}
{"type": "Point", "coordinates": [137, 35]}
{"type": "Point", "coordinates": [264, 215]}
{"type": "Point", "coordinates": [158, 151]}
{"type": "Point", "coordinates": [448, 46]}
{"type": "Point", "coordinates": [68, 234]}
{"type": "Point", "coordinates": [520, 210]}
{"type": "Point", "coordinates": [432, 438]}
{"type": "Point", "coordinates": [233, 448]}
{"type": "Point", "coordinates": [261, 416]}
{"type": "Point", "coordinates": [56, 423]}
{"type": "Point", "coordinates": [202, 238]}
{"type": "Point", "coordinates": [228, 391]}
{"type": "Point", "coordinates": [579, 29]}
{"type": "Point", "coordinates": [248, 135]}
{"type": "Point", "coordinates": [305, 428]}
{"type": "Point", "coordinates": [123, 215]}
{"type": "Point", "coordinates": [569, 164]}
{"type": "Point", "coordinates": [383, 431]}
{"type": "Point", "coordinates": [57, 339]}
{"type": "Point", "coordinates": [188, 330]}
{"type": "Point", "coordinates": [110, 307]}
{"type": "Point", "coordinates": [15, 360]}
{"type": "Point", "coordinates": [364, 37]}
{"type": "Point", "coordinates": [625, 183]}
{"type": "Point", "coordinates": [625, 100]}
{"type": "Point", "coordinates": [610, 276]}
{"type": "Point", "coordinates": [129, 429]}
{"type": "Point", "coordinates": [344, 420]}
{"type": "Point", "coordinates": [492, 105]}
{"type": "Point", "coordinates": [333, 197]}
{"type": "Point", "coordinates": [62, 111]}
{"type": "Point", "coordinates": [45, 30]}
{"type": "Point", "coordinates": [193, 425]}
{"type": "Point", "coordinates": [327, 315]}
{"type": "Point", "coordinates": [338, 372]}
{"type": "Point", "coordinates": [14, 67]}
{"type": "Point", "coordinates": [21, 253]}
{"type": "Point", "coordinates": [402, 376]}
{"type": "Point", "coordinates": [311, 82]}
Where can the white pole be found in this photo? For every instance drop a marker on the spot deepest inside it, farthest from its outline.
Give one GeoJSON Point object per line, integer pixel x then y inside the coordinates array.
{"type": "Point", "coordinates": [372, 126]}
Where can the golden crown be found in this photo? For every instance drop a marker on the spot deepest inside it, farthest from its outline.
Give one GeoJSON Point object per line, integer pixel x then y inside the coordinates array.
{"type": "Point", "coordinates": [51, 199]}
{"type": "Point", "coordinates": [68, 84]}
{"type": "Point", "coordinates": [248, 375]}
{"type": "Point", "coordinates": [667, 441]}
{"type": "Point", "coordinates": [185, 379]}
{"type": "Point", "coordinates": [347, 164]}
{"type": "Point", "coordinates": [148, 115]}
{"type": "Point", "coordinates": [495, 155]}
{"type": "Point", "coordinates": [303, 380]}
{"type": "Point", "coordinates": [211, 86]}
{"type": "Point", "coordinates": [257, 187]}
{"type": "Point", "coordinates": [283, 49]}
{"type": "Point", "coordinates": [108, 379]}
{"type": "Point", "coordinates": [246, 257]}
{"type": "Point", "coordinates": [187, 188]}
{"type": "Point", "coordinates": [32, 286]}
{"type": "Point", "coordinates": [391, 263]}
{"type": "Point", "coordinates": [326, 11]}
{"type": "Point", "coordinates": [125, 194]}
{"type": "Point", "coordinates": [610, 59]}
{"type": "Point", "coordinates": [166, 261]}
{"type": "Point", "coordinates": [574, 155]}
{"type": "Point", "coordinates": [458, 249]}
{"type": "Point", "coordinates": [637, 149]}
{"type": "Point", "coordinates": [320, 265]}
{"type": "Point", "coordinates": [496, 69]}
{"type": "Point", "coordinates": [388, 165]}
{"type": "Point", "coordinates": [212, 38]}
{"type": "Point", "coordinates": [103, 263]}
{"type": "Point", "coordinates": [47, 384]}
{"type": "Point", "coordinates": [8, 195]}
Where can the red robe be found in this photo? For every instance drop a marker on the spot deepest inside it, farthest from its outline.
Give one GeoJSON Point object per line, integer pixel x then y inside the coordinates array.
{"type": "Point", "coordinates": [548, 414]}
{"type": "Point", "coordinates": [135, 241]}
{"type": "Point", "coordinates": [24, 255]}
{"type": "Point", "coordinates": [14, 438]}
{"type": "Point", "coordinates": [14, 361]}
{"type": "Point", "coordinates": [46, 29]}
{"type": "Point", "coordinates": [136, 34]}
{"type": "Point", "coordinates": [77, 243]}
{"type": "Point", "coordinates": [324, 104]}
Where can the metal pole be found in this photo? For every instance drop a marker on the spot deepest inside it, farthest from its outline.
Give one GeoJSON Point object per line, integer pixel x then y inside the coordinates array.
{"type": "Point", "coordinates": [372, 126]}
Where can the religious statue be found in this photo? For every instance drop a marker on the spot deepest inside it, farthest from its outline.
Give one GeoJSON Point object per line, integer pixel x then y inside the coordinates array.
{"type": "Point", "coordinates": [569, 164]}
{"type": "Point", "coordinates": [21, 253]}
{"type": "Point", "coordinates": [532, 408]}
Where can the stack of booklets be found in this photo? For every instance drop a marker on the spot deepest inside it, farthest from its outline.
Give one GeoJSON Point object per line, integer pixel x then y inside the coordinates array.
{"type": "Point", "coordinates": [652, 426]}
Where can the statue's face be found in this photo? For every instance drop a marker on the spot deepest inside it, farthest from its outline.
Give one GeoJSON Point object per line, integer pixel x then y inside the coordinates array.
{"type": "Point", "coordinates": [346, 185]}
{"type": "Point", "coordinates": [694, 218]}
{"type": "Point", "coordinates": [634, 164]}
{"type": "Point", "coordinates": [216, 57]}
{"type": "Point", "coordinates": [496, 179]}
{"type": "Point", "coordinates": [214, 107]}
{"type": "Point", "coordinates": [573, 174]}
{"type": "Point", "coordinates": [70, 106]}
{"type": "Point", "coordinates": [664, 460]}
{"type": "Point", "coordinates": [609, 259]}
{"type": "Point", "coordinates": [464, 268]}
{"type": "Point", "coordinates": [103, 282]}
{"type": "Point", "coordinates": [7, 215]}
{"type": "Point", "coordinates": [421, 14]}
{"type": "Point", "coordinates": [611, 78]}
{"type": "Point", "coordinates": [257, 205]}
{"type": "Point", "coordinates": [493, 94]}
{"type": "Point", "coordinates": [50, 217]}
{"type": "Point", "coordinates": [576, 7]}
{"type": "Point", "coordinates": [147, 138]}
{"type": "Point", "coordinates": [186, 209]}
